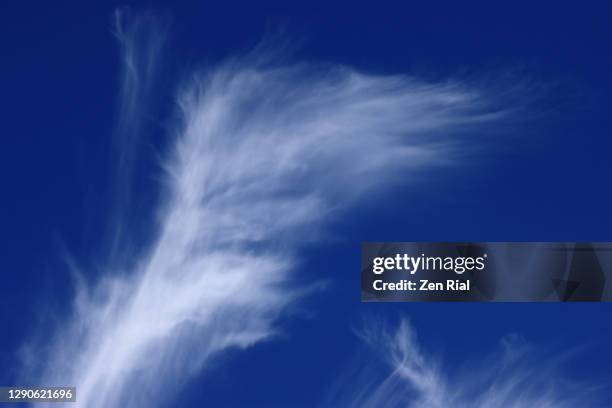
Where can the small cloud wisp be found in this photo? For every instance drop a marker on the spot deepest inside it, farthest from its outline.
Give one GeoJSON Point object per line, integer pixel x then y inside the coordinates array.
{"type": "Point", "coordinates": [518, 375]}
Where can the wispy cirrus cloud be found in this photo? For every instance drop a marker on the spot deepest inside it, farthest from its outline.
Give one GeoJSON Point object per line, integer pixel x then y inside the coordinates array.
{"type": "Point", "coordinates": [141, 39]}
{"type": "Point", "coordinates": [518, 375]}
{"type": "Point", "coordinates": [263, 154]}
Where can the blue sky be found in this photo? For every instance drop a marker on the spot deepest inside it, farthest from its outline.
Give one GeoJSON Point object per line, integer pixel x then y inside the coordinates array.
{"type": "Point", "coordinates": [540, 174]}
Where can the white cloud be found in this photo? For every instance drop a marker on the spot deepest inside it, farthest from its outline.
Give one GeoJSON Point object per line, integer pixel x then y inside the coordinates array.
{"type": "Point", "coordinates": [517, 376]}
{"type": "Point", "coordinates": [263, 153]}
{"type": "Point", "coordinates": [142, 38]}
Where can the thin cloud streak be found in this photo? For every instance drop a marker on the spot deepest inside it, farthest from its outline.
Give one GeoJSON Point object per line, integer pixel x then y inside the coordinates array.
{"type": "Point", "coordinates": [517, 376]}
{"type": "Point", "coordinates": [264, 153]}
{"type": "Point", "coordinates": [141, 38]}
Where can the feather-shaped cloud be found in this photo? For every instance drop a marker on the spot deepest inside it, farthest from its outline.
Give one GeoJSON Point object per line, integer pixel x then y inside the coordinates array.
{"type": "Point", "coordinates": [264, 152]}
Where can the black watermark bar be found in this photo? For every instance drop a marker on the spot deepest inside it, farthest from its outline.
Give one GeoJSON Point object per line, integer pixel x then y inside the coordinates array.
{"type": "Point", "coordinates": [486, 271]}
{"type": "Point", "coordinates": [37, 394]}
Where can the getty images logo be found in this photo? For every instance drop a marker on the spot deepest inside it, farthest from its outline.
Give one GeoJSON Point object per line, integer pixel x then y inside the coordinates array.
{"type": "Point", "coordinates": [413, 264]}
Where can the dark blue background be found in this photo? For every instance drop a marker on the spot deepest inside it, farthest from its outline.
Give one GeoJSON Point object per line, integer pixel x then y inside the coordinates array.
{"type": "Point", "coordinates": [547, 179]}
